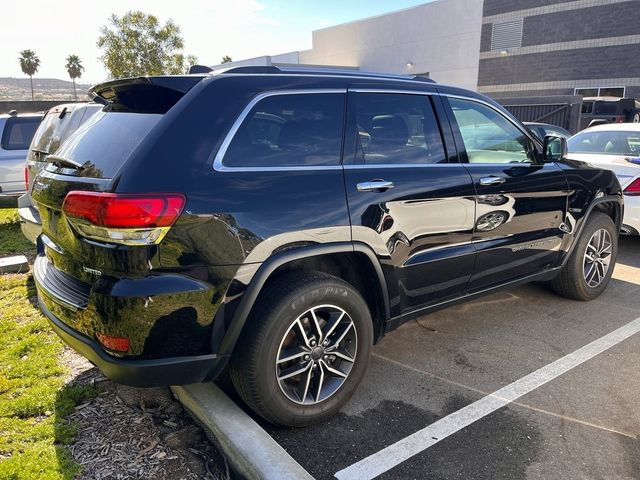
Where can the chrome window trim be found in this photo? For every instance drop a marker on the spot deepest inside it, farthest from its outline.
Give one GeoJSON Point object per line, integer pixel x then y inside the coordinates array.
{"type": "Point", "coordinates": [392, 91]}
{"type": "Point", "coordinates": [362, 166]}
{"type": "Point", "coordinates": [218, 164]}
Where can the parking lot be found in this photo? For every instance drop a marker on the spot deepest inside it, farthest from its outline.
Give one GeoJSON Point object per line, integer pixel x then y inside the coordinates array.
{"type": "Point", "coordinates": [583, 424]}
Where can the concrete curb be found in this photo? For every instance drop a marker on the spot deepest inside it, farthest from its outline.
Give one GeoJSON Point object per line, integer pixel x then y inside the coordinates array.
{"type": "Point", "coordinates": [250, 450]}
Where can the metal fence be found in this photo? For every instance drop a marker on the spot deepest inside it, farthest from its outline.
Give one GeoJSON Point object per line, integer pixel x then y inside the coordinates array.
{"type": "Point", "coordinates": [563, 111]}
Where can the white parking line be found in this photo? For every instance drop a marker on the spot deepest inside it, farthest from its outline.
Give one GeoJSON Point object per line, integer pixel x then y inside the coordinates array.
{"type": "Point", "coordinates": [387, 458]}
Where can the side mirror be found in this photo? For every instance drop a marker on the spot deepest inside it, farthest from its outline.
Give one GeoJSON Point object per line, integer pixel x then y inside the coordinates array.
{"type": "Point", "coordinates": [554, 148]}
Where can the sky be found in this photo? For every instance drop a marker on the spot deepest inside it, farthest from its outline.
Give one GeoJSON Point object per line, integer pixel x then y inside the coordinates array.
{"type": "Point", "coordinates": [211, 29]}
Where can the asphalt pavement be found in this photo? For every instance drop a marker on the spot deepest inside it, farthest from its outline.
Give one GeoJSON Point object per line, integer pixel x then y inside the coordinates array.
{"type": "Point", "coordinates": [440, 391]}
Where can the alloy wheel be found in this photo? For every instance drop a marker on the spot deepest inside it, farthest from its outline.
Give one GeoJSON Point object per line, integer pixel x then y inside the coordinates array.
{"type": "Point", "coordinates": [597, 258]}
{"type": "Point", "coordinates": [316, 354]}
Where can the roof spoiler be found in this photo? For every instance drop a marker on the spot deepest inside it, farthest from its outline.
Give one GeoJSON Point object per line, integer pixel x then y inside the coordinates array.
{"type": "Point", "coordinates": [199, 69]}
{"type": "Point", "coordinates": [143, 94]}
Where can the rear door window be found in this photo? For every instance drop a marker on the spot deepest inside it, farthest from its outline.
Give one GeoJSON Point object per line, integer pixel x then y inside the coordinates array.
{"type": "Point", "coordinates": [18, 132]}
{"type": "Point", "coordinates": [395, 128]}
{"type": "Point", "coordinates": [290, 130]}
{"type": "Point", "coordinates": [106, 140]}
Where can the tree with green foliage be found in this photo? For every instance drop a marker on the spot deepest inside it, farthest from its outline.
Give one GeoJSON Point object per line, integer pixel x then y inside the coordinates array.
{"type": "Point", "coordinates": [29, 63]}
{"type": "Point", "coordinates": [136, 44]}
{"type": "Point", "coordinates": [226, 59]}
{"type": "Point", "coordinates": [74, 69]}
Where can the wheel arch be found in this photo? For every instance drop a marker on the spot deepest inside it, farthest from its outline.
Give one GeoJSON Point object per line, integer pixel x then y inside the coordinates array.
{"type": "Point", "coordinates": [610, 205]}
{"type": "Point", "coordinates": [341, 259]}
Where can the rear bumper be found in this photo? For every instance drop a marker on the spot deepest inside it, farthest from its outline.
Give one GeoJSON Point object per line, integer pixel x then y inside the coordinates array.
{"type": "Point", "coordinates": [137, 373]}
{"type": "Point", "coordinates": [30, 222]}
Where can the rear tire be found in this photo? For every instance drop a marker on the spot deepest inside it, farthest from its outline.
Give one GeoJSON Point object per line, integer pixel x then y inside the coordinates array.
{"type": "Point", "coordinates": [589, 268]}
{"type": "Point", "coordinates": [331, 355]}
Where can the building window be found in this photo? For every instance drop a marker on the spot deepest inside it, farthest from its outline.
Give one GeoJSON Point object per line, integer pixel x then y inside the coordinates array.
{"type": "Point", "coordinates": [506, 35]}
{"type": "Point", "coordinates": [601, 92]}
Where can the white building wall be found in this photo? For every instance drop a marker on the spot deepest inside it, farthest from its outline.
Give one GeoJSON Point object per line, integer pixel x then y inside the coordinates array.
{"type": "Point", "coordinates": [441, 38]}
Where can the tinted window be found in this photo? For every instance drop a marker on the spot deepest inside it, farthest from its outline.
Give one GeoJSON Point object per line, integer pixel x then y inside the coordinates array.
{"type": "Point", "coordinates": [587, 107]}
{"type": "Point", "coordinates": [488, 136]}
{"type": "Point", "coordinates": [290, 130]}
{"type": "Point", "coordinates": [18, 132]}
{"type": "Point", "coordinates": [397, 129]}
{"type": "Point", "coordinates": [606, 108]}
{"type": "Point", "coordinates": [105, 141]}
{"type": "Point", "coordinates": [607, 143]}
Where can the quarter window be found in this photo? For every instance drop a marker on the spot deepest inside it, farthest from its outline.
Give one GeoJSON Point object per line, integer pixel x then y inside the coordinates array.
{"type": "Point", "coordinates": [290, 130]}
{"type": "Point", "coordinates": [489, 137]}
{"type": "Point", "coordinates": [397, 129]}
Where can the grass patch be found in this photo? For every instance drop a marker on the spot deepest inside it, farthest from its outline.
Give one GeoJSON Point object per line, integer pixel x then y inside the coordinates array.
{"type": "Point", "coordinates": [34, 399]}
{"type": "Point", "coordinates": [12, 242]}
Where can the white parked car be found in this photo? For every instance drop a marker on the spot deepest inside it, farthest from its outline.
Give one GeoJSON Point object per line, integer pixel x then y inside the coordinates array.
{"type": "Point", "coordinates": [16, 132]}
{"type": "Point", "coordinates": [617, 148]}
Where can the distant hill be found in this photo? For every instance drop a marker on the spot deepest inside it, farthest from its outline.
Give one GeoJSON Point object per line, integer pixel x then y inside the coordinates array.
{"type": "Point", "coordinates": [44, 89]}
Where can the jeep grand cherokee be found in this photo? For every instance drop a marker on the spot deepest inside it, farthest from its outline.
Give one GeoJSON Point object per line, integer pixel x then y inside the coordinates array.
{"type": "Point", "coordinates": [281, 221]}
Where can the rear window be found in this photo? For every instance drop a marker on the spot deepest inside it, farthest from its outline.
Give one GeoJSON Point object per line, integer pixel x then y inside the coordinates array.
{"type": "Point", "coordinates": [106, 140]}
{"type": "Point", "coordinates": [18, 132]}
{"type": "Point", "coordinates": [606, 108]}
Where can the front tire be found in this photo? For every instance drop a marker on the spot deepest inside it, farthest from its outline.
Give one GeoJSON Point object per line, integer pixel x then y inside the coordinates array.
{"type": "Point", "coordinates": [304, 350]}
{"type": "Point", "coordinates": [589, 268]}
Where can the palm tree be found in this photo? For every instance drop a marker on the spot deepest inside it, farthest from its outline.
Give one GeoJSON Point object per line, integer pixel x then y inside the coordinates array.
{"type": "Point", "coordinates": [29, 63]}
{"type": "Point", "coordinates": [74, 68]}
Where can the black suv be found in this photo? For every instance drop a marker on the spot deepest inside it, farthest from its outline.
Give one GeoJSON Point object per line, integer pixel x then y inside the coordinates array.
{"type": "Point", "coordinates": [281, 221]}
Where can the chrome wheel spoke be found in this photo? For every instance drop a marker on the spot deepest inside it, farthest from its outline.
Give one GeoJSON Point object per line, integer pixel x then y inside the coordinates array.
{"type": "Point", "coordinates": [316, 324]}
{"type": "Point", "coordinates": [332, 324]}
{"type": "Point", "coordinates": [343, 356]}
{"type": "Point", "coordinates": [305, 385]}
{"type": "Point", "coordinates": [294, 370]}
{"type": "Point", "coordinates": [292, 354]}
{"type": "Point", "coordinates": [303, 334]}
{"type": "Point", "coordinates": [332, 370]}
{"type": "Point", "coordinates": [320, 375]}
{"type": "Point", "coordinates": [335, 344]}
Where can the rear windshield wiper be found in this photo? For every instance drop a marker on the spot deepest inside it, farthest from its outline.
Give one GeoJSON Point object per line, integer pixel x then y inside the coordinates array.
{"type": "Point", "coordinates": [64, 162]}
{"type": "Point", "coordinates": [39, 151]}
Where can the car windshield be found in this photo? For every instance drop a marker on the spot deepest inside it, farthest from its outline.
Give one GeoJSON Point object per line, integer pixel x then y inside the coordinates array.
{"type": "Point", "coordinates": [605, 143]}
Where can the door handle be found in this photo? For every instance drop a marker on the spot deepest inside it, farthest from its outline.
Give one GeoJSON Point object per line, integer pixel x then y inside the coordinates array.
{"type": "Point", "coordinates": [486, 181]}
{"type": "Point", "coordinates": [374, 186]}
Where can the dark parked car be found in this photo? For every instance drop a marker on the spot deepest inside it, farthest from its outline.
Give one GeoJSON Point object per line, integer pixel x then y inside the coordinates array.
{"type": "Point", "coordinates": [57, 125]}
{"type": "Point", "coordinates": [541, 130]}
{"type": "Point", "coordinates": [601, 110]}
{"type": "Point", "coordinates": [281, 221]}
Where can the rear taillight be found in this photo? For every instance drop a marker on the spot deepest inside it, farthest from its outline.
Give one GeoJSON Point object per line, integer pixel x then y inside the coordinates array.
{"type": "Point", "coordinates": [123, 218]}
{"type": "Point", "coordinates": [633, 189]}
{"type": "Point", "coordinates": [26, 178]}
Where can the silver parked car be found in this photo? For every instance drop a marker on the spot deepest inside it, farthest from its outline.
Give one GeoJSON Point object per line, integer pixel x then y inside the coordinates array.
{"type": "Point", "coordinates": [16, 132]}
{"type": "Point", "coordinates": [57, 125]}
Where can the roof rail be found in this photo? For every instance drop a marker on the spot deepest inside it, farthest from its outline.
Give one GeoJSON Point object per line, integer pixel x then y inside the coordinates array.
{"type": "Point", "coordinates": [319, 71]}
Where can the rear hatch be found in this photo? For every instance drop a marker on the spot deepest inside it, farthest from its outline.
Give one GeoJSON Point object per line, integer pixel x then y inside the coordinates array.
{"type": "Point", "coordinates": [92, 233]}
